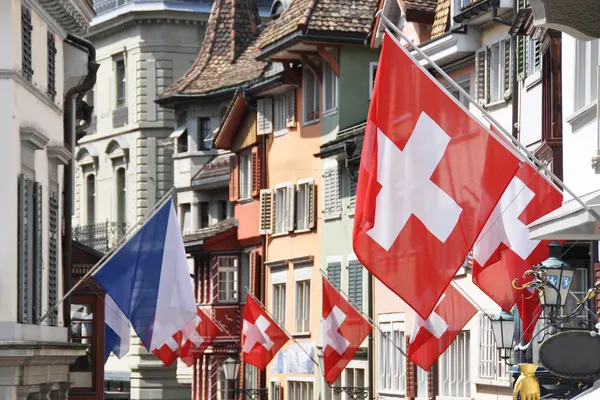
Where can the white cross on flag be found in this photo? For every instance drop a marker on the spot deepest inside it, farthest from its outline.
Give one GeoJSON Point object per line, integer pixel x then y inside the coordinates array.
{"type": "Point", "coordinates": [344, 329]}
{"type": "Point", "coordinates": [430, 176]}
{"type": "Point", "coordinates": [431, 337]}
{"type": "Point", "coordinates": [261, 336]}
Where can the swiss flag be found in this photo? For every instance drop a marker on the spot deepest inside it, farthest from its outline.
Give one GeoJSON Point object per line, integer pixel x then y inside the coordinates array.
{"type": "Point", "coordinates": [504, 251]}
{"type": "Point", "coordinates": [432, 337]}
{"type": "Point", "coordinates": [430, 176]}
{"type": "Point", "coordinates": [196, 337]}
{"type": "Point", "coordinates": [261, 336]}
{"type": "Point", "coordinates": [530, 311]}
{"type": "Point", "coordinates": [170, 351]}
{"type": "Point", "coordinates": [344, 329]}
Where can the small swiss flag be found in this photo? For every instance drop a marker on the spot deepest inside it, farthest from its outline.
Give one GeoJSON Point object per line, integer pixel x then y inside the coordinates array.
{"type": "Point", "coordinates": [344, 329]}
{"type": "Point", "coordinates": [430, 176]}
{"type": "Point", "coordinates": [431, 338]}
{"type": "Point", "coordinates": [261, 336]}
{"type": "Point", "coordinates": [170, 351]}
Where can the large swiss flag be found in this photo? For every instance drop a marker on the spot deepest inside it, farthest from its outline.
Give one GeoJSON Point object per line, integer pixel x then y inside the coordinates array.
{"type": "Point", "coordinates": [344, 329]}
{"type": "Point", "coordinates": [504, 251]}
{"type": "Point", "coordinates": [430, 176]}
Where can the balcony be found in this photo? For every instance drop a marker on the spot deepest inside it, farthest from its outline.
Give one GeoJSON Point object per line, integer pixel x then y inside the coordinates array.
{"type": "Point", "coordinates": [102, 236]}
{"type": "Point", "coordinates": [104, 6]}
{"type": "Point", "coordinates": [119, 117]}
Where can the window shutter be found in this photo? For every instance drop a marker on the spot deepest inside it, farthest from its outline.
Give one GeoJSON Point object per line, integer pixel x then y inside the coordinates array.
{"type": "Point", "coordinates": [290, 98]}
{"type": "Point", "coordinates": [260, 117]}
{"type": "Point", "coordinates": [53, 256]}
{"type": "Point", "coordinates": [481, 76]}
{"type": "Point", "coordinates": [596, 279]}
{"type": "Point", "coordinates": [256, 171]}
{"type": "Point", "coordinates": [355, 283]}
{"type": "Point", "coordinates": [521, 4]}
{"type": "Point", "coordinates": [537, 55]}
{"type": "Point", "coordinates": [37, 252]}
{"type": "Point", "coordinates": [332, 202]}
{"type": "Point", "coordinates": [23, 304]}
{"type": "Point", "coordinates": [411, 375]}
{"type": "Point", "coordinates": [234, 178]}
{"type": "Point", "coordinates": [291, 206]}
{"type": "Point", "coordinates": [521, 42]}
{"type": "Point", "coordinates": [507, 70]}
{"type": "Point", "coordinates": [334, 271]}
{"type": "Point", "coordinates": [214, 279]}
{"type": "Point", "coordinates": [352, 203]}
{"type": "Point", "coordinates": [310, 193]}
{"type": "Point", "coordinates": [266, 212]}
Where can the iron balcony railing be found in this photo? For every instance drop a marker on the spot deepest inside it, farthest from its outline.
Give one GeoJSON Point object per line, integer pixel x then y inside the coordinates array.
{"type": "Point", "coordinates": [104, 6]}
{"type": "Point", "coordinates": [102, 236]}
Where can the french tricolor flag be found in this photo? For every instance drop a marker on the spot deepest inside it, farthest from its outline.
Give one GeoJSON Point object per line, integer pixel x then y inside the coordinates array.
{"type": "Point", "coordinates": [148, 279]}
{"type": "Point", "coordinates": [116, 330]}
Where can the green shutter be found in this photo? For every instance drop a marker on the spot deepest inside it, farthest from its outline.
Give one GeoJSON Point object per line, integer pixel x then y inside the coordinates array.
{"type": "Point", "coordinates": [53, 256]}
{"type": "Point", "coordinates": [355, 284]}
{"type": "Point", "coordinates": [22, 304]}
{"type": "Point", "coordinates": [37, 252]}
{"type": "Point", "coordinates": [481, 76]}
{"type": "Point", "coordinates": [521, 57]}
{"type": "Point", "coordinates": [352, 203]}
{"type": "Point", "coordinates": [334, 271]}
{"type": "Point", "coordinates": [507, 69]}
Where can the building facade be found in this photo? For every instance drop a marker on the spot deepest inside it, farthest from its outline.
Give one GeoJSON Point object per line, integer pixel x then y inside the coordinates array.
{"type": "Point", "coordinates": [45, 66]}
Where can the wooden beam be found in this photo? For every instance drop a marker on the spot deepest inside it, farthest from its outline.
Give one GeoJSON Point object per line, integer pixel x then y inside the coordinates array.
{"type": "Point", "coordinates": [313, 67]}
{"type": "Point", "coordinates": [304, 52]}
{"type": "Point", "coordinates": [327, 56]}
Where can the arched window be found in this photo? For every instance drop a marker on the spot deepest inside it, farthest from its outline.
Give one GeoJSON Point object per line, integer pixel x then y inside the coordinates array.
{"type": "Point", "coordinates": [121, 197]}
{"type": "Point", "coordinates": [90, 194]}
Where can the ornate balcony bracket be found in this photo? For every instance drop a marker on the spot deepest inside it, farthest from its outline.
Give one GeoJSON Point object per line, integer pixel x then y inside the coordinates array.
{"type": "Point", "coordinates": [253, 394]}
{"type": "Point", "coordinates": [355, 393]}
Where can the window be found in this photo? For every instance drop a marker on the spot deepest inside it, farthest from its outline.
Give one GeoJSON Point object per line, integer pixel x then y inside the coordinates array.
{"type": "Point", "coordinates": [300, 390]}
{"type": "Point", "coordinates": [90, 194]}
{"type": "Point", "coordinates": [228, 279]}
{"type": "Point", "coordinates": [26, 52]}
{"type": "Point", "coordinates": [310, 96]}
{"type": "Point", "coordinates": [579, 287]}
{"type": "Point", "coordinates": [304, 205]}
{"type": "Point", "coordinates": [121, 197]}
{"type": "Point", "coordinates": [275, 393]}
{"type": "Point", "coordinates": [185, 217]}
{"type": "Point", "coordinates": [491, 365]}
{"type": "Point", "coordinates": [82, 331]}
{"type": "Point", "coordinates": [392, 364]}
{"type": "Point", "coordinates": [464, 85]}
{"type": "Point", "coordinates": [334, 273]}
{"type": "Point", "coordinates": [284, 109]}
{"type": "Point", "coordinates": [250, 376]}
{"type": "Point", "coordinates": [51, 66]}
{"type": "Point", "coordinates": [586, 73]}
{"type": "Point", "coordinates": [225, 387]}
{"type": "Point", "coordinates": [245, 272]}
{"type": "Point", "coordinates": [459, 4]}
{"type": "Point", "coordinates": [355, 284]}
{"type": "Point", "coordinates": [204, 134]}
{"type": "Point", "coordinates": [332, 205]}
{"type": "Point", "coordinates": [245, 175]}
{"type": "Point", "coordinates": [279, 303]}
{"type": "Point", "coordinates": [355, 377]}
{"type": "Point", "coordinates": [302, 307]}
{"type": "Point", "coordinates": [120, 77]}
{"type": "Point", "coordinates": [203, 214]}
{"type": "Point", "coordinates": [493, 73]}
{"type": "Point", "coordinates": [182, 142]}
{"type": "Point", "coordinates": [534, 56]}
{"type": "Point", "coordinates": [372, 75]}
{"type": "Point", "coordinates": [222, 210]}
{"type": "Point", "coordinates": [329, 392]}
{"type": "Point", "coordinates": [281, 209]}
{"type": "Point", "coordinates": [454, 373]}
{"type": "Point", "coordinates": [330, 89]}
{"type": "Point", "coordinates": [352, 190]}
{"type": "Point", "coordinates": [422, 384]}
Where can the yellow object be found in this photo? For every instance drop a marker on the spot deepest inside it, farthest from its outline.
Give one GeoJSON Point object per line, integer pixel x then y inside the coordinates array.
{"type": "Point", "coordinates": [527, 385]}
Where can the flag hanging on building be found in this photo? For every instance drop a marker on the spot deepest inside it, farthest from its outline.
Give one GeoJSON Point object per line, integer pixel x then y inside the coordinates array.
{"type": "Point", "coordinates": [503, 250]}
{"type": "Point", "coordinates": [430, 338]}
{"type": "Point", "coordinates": [530, 311]}
{"type": "Point", "coordinates": [261, 336]}
{"type": "Point", "coordinates": [116, 330]}
{"type": "Point", "coordinates": [430, 176]}
{"type": "Point", "coordinates": [149, 280]}
{"type": "Point", "coordinates": [344, 329]}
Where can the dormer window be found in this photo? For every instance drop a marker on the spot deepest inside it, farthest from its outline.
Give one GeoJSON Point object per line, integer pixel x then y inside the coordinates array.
{"type": "Point", "coordinates": [277, 9]}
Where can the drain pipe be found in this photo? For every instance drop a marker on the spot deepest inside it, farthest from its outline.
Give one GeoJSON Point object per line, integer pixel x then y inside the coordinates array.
{"type": "Point", "coordinates": [498, 19]}
{"type": "Point", "coordinates": [69, 137]}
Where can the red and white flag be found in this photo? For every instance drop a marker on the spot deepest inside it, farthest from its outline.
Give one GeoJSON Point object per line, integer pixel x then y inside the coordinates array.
{"type": "Point", "coordinates": [344, 329]}
{"type": "Point", "coordinates": [170, 351]}
{"type": "Point", "coordinates": [261, 336]}
{"type": "Point", "coordinates": [530, 311]}
{"type": "Point", "coordinates": [504, 251]}
{"type": "Point", "coordinates": [431, 338]}
{"type": "Point", "coordinates": [430, 176]}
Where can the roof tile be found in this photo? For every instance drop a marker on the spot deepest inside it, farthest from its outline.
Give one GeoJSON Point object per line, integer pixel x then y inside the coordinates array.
{"type": "Point", "coordinates": [421, 5]}
{"type": "Point", "coordinates": [440, 23]}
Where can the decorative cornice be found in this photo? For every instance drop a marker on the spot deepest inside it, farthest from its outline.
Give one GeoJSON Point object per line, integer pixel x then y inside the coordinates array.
{"type": "Point", "coordinates": [276, 264]}
{"type": "Point", "coordinates": [17, 77]}
{"type": "Point", "coordinates": [33, 136]}
{"type": "Point", "coordinates": [133, 21]}
{"type": "Point", "coordinates": [59, 154]}
{"type": "Point", "coordinates": [302, 260]}
{"type": "Point", "coordinates": [71, 16]}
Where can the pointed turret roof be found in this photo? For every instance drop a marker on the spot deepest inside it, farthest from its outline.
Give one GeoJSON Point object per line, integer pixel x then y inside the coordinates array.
{"type": "Point", "coordinates": [228, 54]}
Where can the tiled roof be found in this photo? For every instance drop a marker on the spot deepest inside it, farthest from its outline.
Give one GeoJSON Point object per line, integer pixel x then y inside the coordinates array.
{"type": "Point", "coordinates": [420, 5]}
{"type": "Point", "coordinates": [228, 54]}
{"type": "Point", "coordinates": [217, 166]}
{"type": "Point", "coordinates": [211, 231]}
{"type": "Point", "coordinates": [442, 13]}
{"type": "Point", "coordinates": [343, 16]}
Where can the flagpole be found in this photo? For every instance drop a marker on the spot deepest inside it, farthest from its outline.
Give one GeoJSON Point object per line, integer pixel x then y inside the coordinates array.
{"type": "Point", "coordinates": [531, 158]}
{"type": "Point", "coordinates": [293, 339]}
{"type": "Point", "coordinates": [108, 256]}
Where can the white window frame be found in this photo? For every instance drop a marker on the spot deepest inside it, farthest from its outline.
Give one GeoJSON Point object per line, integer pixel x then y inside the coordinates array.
{"type": "Point", "coordinates": [116, 60]}
{"type": "Point", "coordinates": [330, 79]}
{"type": "Point", "coordinates": [278, 301]}
{"type": "Point", "coordinates": [458, 379]}
{"type": "Point", "coordinates": [586, 74]}
{"type": "Point", "coordinates": [312, 91]}
{"type": "Point", "coordinates": [491, 366]}
{"type": "Point", "coordinates": [245, 175]}
{"type": "Point", "coordinates": [332, 193]}
{"type": "Point", "coordinates": [225, 386]}
{"type": "Point", "coordinates": [302, 301]}
{"type": "Point", "coordinates": [533, 51]}
{"type": "Point", "coordinates": [495, 65]}
{"type": "Point", "coordinates": [303, 204]}
{"type": "Point", "coordinates": [310, 388]}
{"type": "Point", "coordinates": [231, 277]}
{"type": "Point", "coordinates": [186, 227]}
{"type": "Point", "coordinates": [372, 74]}
{"type": "Point", "coordinates": [422, 386]}
{"type": "Point", "coordinates": [280, 203]}
{"type": "Point", "coordinates": [391, 364]}
{"type": "Point", "coordinates": [280, 115]}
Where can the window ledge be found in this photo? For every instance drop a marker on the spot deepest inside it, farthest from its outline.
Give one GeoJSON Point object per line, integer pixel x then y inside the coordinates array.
{"type": "Point", "coordinates": [332, 217]}
{"type": "Point", "coordinates": [492, 382]}
{"type": "Point", "coordinates": [331, 112]}
{"type": "Point", "coordinates": [245, 200]}
{"type": "Point", "coordinates": [308, 123]}
{"type": "Point", "coordinates": [533, 80]}
{"type": "Point", "coordinates": [195, 153]}
{"type": "Point", "coordinates": [390, 393]}
{"type": "Point", "coordinates": [496, 104]}
{"type": "Point", "coordinates": [302, 230]}
{"type": "Point", "coordinates": [583, 116]}
{"type": "Point", "coordinates": [301, 335]}
{"type": "Point", "coordinates": [280, 133]}
{"type": "Point", "coordinates": [280, 234]}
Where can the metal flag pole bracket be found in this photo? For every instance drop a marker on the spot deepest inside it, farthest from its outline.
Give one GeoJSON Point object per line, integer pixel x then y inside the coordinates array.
{"type": "Point", "coordinates": [528, 155]}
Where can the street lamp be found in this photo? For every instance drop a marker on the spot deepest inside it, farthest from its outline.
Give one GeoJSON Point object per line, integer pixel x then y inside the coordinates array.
{"type": "Point", "coordinates": [231, 368]}
{"type": "Point", "coordinates": [559, 276]}
{"type": "Point", "coordinates": [503, 327]}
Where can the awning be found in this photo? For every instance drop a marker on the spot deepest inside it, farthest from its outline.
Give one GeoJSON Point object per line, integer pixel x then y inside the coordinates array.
{"type": "Point", "coordinates": [590, 394]}
{"type": "Point", "coordinates": [569, 222]}
{"type": "Point", "coordinates": [173, 136]}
